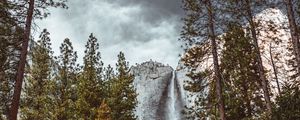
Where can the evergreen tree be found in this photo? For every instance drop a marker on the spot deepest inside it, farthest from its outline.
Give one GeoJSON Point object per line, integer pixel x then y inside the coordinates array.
{"type": "Point", "coordinates": [243, 11]}
{"type": "Point", "coordinates": [292, 64]}
{"type": "Point", "coordinates": [122, 98]}
{"type": "Point", "coordinates": [36, 9]}
{"type": "Point", "coordinates": [10, 37]}
{"type": "Point", "coordinates": [109, 73]}
{"type": "Point", "coordinates": [202, 24]}
{"type": "Point", "coordinates": [292, 10]}
{"type": "Point", "coordinates": [37, 99]}
{"type": "Point", "coordinates": [287, 104]}
{"type": "Point", "coordinates": [90, 84]}
{"type": "Point", "coordinates": [64, 86]}
{"type": "Point", "coordinates": [294, 30]}
{"type": "Point", "coordinates": [239, 69]}
{"type": "Point", "coordinates": [108, 77]}
{"type": "Point", "coordinates": [200, 81]}
{"type": "Point", "coordinates": [277, 70]}
{"type": "Point", "coordinates": [202, 107]}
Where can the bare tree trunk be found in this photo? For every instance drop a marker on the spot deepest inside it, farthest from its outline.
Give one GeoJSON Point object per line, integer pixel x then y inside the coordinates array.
{"type": "Point", "coordinates": [258, 57]}
{"type": "Point", "coordinates": [294, 32]}
{"type": "Point", "coordinates": [20, 74]}
{"type": "Point", "coordinates": [217, 76]}
{"type": "Point", "coordinates": [274, 69]}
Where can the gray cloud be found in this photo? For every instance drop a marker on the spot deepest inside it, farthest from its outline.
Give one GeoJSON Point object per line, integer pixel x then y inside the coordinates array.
{"type": "Point", "coordinates": [143, 29]}
{"type": "Point", "coordinates": [155, 10]}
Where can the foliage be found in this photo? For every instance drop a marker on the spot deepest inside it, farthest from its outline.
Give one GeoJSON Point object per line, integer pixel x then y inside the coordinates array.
{"type": "Point", "coordinates": [242, 96]}
{"type": "Point", "coordinates": [64, 85]}
{"type": "Point", "coordinates": [201, 30]}
{"type": "Point", "coordinates": [37, 102]}
{"type": "Point", "coordinates": [103, 112]}
{"type": "Point", "coordinates": [122, 96]}
{"type": "Point", "coordinates": [288, 104]}
{"type": "Point", "coordinates": [18, 9]}
{"type": "Point", "coordinates": [10, 37]}
{"type": "Point", "coordinates": [90, 84]}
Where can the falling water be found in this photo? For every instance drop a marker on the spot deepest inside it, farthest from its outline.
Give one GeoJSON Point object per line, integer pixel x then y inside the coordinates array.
{"type": "Point", "coordinates": [174, 100]}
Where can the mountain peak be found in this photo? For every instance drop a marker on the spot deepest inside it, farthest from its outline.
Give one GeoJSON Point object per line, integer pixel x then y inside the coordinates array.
{"type": "Point", "coordinates": [150, 68]}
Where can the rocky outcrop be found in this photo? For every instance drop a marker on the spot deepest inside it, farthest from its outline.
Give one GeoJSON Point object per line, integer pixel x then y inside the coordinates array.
{"type": "Point", "coordinates": [161, 90]}
{"type": "Point", "coordinates": [159, 95]}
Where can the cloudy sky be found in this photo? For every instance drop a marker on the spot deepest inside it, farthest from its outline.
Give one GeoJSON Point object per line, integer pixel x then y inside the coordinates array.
{"type": "Point", "coordinates": [142, 29]}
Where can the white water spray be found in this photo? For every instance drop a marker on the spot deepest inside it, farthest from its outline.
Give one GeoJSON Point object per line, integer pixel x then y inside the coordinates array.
{"type": "Point", "coordinates": [173, 112]}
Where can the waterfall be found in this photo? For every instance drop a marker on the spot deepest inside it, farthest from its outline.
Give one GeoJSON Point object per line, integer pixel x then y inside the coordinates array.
{"type": "Point", "coordinates": [174, 102]}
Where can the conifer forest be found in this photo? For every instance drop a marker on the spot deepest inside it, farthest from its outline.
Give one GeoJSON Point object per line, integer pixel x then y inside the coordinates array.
{"type": "Point", "coordinates": [149, 60]}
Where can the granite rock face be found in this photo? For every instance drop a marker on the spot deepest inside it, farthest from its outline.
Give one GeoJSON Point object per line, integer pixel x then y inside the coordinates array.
{"type": "Point", "coordinates": [159, 96]}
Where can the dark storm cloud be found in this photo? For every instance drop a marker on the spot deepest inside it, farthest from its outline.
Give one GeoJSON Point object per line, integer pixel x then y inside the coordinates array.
{"type": "Point", "coordinates": [155, 10]}
{"type": "Point", "coordinates": [144, 29]}
{"type": "Point", "coordinates": [153, 13]}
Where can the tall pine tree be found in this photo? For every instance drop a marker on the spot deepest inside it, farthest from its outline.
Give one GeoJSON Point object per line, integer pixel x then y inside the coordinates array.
{"type": "Point", "coordinates": [294, 30]}
{"type": "Point", "coordinates": [202, 24]}
{"type": "Point", "coordinates": [37, 101]}
{"type": "Point", "coordinates": [90, 84]}
{"type": "Point", "coordinates": [287, 104]}
{"type": "Point", "coordinates": [243, 11]}
{"type": "Point", "coordinates": [122, 97]}
{"type": "Point", "coordinates": [238, 62]}
{"type": "Point", "coordinates": [10, 37]}
{"type": "Point", "coordinates": [64, 86]}
{"type": "Point", "coordinates": [24, 15]}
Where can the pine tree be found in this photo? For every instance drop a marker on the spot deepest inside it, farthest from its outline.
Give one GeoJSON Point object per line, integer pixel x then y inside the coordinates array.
{"type": "Point", "coordinates": [35, 9]}
{"type": "Point", "coordinates": [294, 30]}
{"type": "Point", "coordinates": [108, 77]}
{"type": "Point", "coordinates": [90, 84]}
{"type": "Point", "coordinates": [200, 81]}
{"type": "Point", "coordinates": [239, 64]}
{"type": "Point", "coordinates": [287, 104]}
{"type": "Point", "coordinates": [10, 37]}
{"type": "Point", "coordinates": [201, 24]}
{"type": "Point", "coordinates": [202, 108]}
{"type": "Point", "coordinates": [64, 86]}
{"type": "Point", "coordinates": [122, 98]}
{"type": "Point", "coordinates": [37, 100]}
{"type": "Point", "coordinates": [109, 73]}
{"type": "Point", "coordinates": [243, 12]}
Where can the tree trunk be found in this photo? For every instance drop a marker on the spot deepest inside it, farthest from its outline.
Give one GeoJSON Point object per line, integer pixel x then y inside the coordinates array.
{"type": "Point", "coordinates": [20, 73]}
{"type": "Point", "coordinates": [258, 57]}
{"type": "Point", "coordinates": [217, 76]}
{"type": "Point", "coordinates": [293, 32]}
{"type": "Point", "coordinates": [274, 69]}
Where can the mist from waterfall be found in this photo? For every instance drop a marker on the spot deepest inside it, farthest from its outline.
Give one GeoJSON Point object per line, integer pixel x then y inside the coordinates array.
{"type": "Point", "coordinates": [174, 105]}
